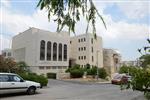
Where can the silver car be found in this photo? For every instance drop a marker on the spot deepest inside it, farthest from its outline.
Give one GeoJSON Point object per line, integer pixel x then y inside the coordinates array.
{"type": "Point", "coordinates": [13, 83]}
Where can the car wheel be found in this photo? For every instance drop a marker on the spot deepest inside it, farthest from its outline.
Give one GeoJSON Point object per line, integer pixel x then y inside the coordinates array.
{"type": "Point", "coordinates": [31, 90]}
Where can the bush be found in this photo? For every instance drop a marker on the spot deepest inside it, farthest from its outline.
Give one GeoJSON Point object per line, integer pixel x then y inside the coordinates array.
{"type": "Point", "coordinates": [131, 70]}
{"type": "Point", "coordinates": [140, 81]}
{"type": "Point", "coordinates": [34, 77]}
{"type": "Point", "coordinates": [51, 75]}
{"type": "Point", "coordinates": [76, 73]}
{"type": "Point", "coordinates": [147, 95]}
{"type": "Point", "coordinates": [92, 71]}
{"type": "Point", "coordinates": [102, 73]}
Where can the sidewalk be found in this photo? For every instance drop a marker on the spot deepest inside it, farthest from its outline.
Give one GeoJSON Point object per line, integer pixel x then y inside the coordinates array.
{"type": "Point", "coordinates": [82, 80]}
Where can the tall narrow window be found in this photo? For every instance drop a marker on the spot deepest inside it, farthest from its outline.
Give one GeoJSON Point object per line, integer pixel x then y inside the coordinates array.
{"type": "Point", "coordinates": [65, 52]}
{"type": "Point", "coordinates": [48, 50]}
{"type": "Point", "coordinates": [60, 52]}
{"type": "Point", "coordinates": [92, 40]}
{"type": "Point", "coordinates": [92, 58]}
{"type": "Point", "coordinates": [55, 51]}
{"type": "Point", "coordinates": [42, 50]}
{"type": "Point", "coordinates": [84, 48]}
{"type": "Point", "coordinates": [84, 39]}
{"type": "Point", "coordinates": [92, 49]}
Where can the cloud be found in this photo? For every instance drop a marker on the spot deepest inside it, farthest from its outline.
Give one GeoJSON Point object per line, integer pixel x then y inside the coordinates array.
{"type": "Point", "coordinates": [16, 22]}
{"type": "Point", "coordinates": [5, 3]}
{"type": "Point", "coordinates": [12, 23]}
{"type": "Point", "coordinates": [126, 31]}
{"type": "Point", "coordinates": [135, 10]}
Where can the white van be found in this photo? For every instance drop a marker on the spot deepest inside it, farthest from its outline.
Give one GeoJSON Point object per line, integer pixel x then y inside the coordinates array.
{"type": "Point", "coordinates": [13, 83]}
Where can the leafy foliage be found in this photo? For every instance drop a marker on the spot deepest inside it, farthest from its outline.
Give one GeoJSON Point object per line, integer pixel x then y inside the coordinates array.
{"type": "Point", "coordinates": [21, 68]}
{"type": "Point", "coordinates": [102, 73]}
{"type": "Point", "coordinates": [140, 75]}
{"type": "Point", "coordinates": [77, 72]}
{"type": "Point", "coordinates": [145, 60]}
{"type": "Point", "coordinates": [68, 12]}
{"type": "Point", "coordinates": [7, 64]}
{"type": "Point", "coordinates": [140, 79]}
{"type": "Point", "coordinates": [131, 70]}
{"type": "Point", "coordinates": [34, 77]}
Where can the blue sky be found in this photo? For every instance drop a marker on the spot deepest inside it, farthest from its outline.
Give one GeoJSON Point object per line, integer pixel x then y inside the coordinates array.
{"type": "Point", "coordinates": [128, 23]}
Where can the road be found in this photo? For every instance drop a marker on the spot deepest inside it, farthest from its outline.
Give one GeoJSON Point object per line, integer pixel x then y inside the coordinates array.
{"type": "Point", "coordinates": [62, 90]}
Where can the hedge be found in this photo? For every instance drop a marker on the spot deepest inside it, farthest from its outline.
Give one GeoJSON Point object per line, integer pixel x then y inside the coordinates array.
{"type": "Point", "coordinates": [34, 77]}
{"type": "Point", "coordinates": [76, 73]}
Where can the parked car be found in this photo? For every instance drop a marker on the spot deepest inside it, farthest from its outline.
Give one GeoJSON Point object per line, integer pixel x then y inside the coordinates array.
{"type": "Point", "coordinates": [13, 83]}
{"type": "Point", "coordinates": [121, 79]}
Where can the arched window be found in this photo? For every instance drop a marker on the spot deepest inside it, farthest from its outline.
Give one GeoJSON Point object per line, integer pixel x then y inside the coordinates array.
{"type": "Point", "coordinates": [55, 51]}
{"type": "Point", "coordinates": [42, 50]}
{"type": "Point", "coordinates": [60, 52]}
{"type": "Point", "coordinates": [65, 52]}
{"type": "Point", "coordinates": [48, 50]}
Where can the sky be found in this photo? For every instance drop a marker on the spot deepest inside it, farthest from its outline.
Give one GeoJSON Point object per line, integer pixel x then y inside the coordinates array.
{"type": "Point", "coordinates": [128, 23]}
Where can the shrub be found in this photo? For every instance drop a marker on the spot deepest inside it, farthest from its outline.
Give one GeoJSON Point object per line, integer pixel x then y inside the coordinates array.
{"type": "Point", "coordinates": [92, 71]}
{"type": "Point", "coordinates": [76, 73]}
{"type": "Point", "coordinates": [51, 75]}
{"type": "Point", "coordinates": [102, 73]}
{"type": "Point", "coordinates": [34, 77]}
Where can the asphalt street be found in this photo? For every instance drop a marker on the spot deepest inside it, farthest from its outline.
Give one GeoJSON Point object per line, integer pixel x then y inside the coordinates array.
{"type": "Point", "coordinates": [62, 90]}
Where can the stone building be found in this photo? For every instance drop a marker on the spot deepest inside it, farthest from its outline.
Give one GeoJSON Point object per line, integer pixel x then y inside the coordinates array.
{"type": "Point", "coordinates": [84, 49]}
{"type": "Point", "coordinates": [112, 61]}
{"type": "Point", "coordinates": [7, 53]}
{"type": "Point", "coordinates": [42, 50]}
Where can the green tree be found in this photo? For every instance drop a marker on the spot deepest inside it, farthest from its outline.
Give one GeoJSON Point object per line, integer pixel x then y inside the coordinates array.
{"type": "Point", "coordinates": [102, 73]}
{"type": "Point", "coordinates": [7, 64]}
{"type": "Point", "coordinates": [23, 66]}
{"type": "Point", "coordinates": [140, 76]}
{"type": "Point", "coordinates": [68, 13]}
{"type": "Point", "coordinates": [145, 60]}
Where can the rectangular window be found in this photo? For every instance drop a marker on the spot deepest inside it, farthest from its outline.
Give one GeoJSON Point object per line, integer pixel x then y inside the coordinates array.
{"type": "Point", "coordinates": [84, 48]}
{"type": "Point", "coordinates": [54, 67]}
{"type": "Point", "coordinates": [9, 54]}
{"type": "Point", "coordinates": [92, 58]}
{"type": "Point", "coordinates": [48, 67]}
{"type": "Point", "coordinates": [79, 40]}
{"type": "Point", "coordinates": [4, 78]}
{"type": "Point", "coordinates": [92, 49]}
{"type": "Point", "coordinates": [64, 67]}
{"type": "Point", "coordinates": [41, 67]}
{"type": "Point", "coordinates": [79, 57]}
{"type": "Point", "coordinates": [79, 49]}
{"type": "Point", "coordinates": [65, 52]}
{"type": "Point", "coordinates": [92, 40]}
{"type": "Point", "coordinates": [84, 39]}
{"type": "Point", "coordinates": [84, 57]}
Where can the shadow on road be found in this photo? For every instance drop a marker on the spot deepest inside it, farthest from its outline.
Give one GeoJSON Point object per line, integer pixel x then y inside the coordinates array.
{"type": "Point", "coordinates": [15, 94]}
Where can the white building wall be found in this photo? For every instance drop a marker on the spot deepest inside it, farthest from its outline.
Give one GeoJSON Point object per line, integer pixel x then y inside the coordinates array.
{"type": "Point", "coordinates": [26, 47]}
{"type": "Point", "coordinates": [110, 64]}
{"type": "Point", "coordinates": [97, 49]}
